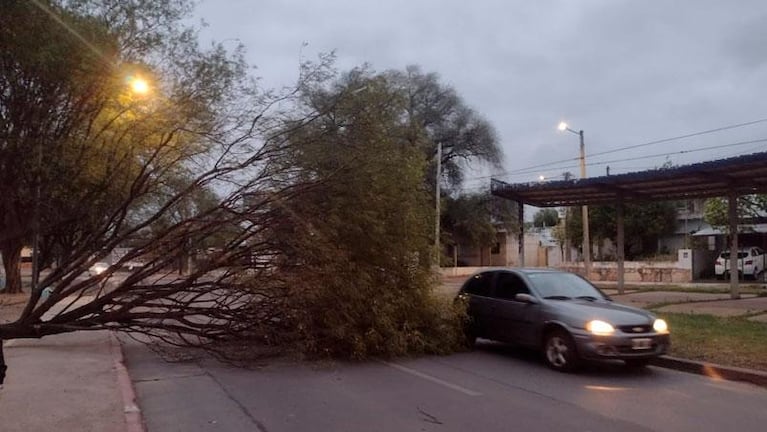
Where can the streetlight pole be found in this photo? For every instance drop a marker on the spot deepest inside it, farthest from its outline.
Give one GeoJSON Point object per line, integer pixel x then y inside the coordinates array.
{"type": "Point", "coordinates": [585, 209]}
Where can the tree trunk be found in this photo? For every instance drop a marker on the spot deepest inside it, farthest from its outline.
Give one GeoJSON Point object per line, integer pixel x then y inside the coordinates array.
{"type": "Point", "coordinates": [11, 251]}
{"type": "Point", "coordinates": [3, 367]}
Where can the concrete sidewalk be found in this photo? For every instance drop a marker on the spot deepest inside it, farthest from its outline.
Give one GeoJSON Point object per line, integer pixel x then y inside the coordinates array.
{"type": "Point", "coordinates": [65, 383]}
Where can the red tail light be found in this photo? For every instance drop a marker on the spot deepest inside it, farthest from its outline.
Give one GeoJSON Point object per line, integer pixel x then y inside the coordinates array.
{"type": "Point", "coordinates": [749, 262]}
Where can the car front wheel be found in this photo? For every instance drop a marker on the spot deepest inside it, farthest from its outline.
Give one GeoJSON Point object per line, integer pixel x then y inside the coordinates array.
{"type": "Point", "coordinates": [559, 351]}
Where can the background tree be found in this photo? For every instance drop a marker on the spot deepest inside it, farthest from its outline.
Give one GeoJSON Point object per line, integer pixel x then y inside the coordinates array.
{"type": "Point", "coordinates": [546, 218]}
{"type": "Point", "coordinates": [475, 219]}
{"type": "Point", "coordinates": [643, 224]}
{"type": "Point", "coordinates": [715, 210]}
{"type": "Point", "coordinates": [435, 113]}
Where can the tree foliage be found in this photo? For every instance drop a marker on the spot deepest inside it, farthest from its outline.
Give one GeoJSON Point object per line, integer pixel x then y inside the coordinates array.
{"type": "Point", "coordinates": [115, 170]}
{"type": "Point", "coordinates": [643, 224]}
{"type": "Point", "coordinates": [546, 218]}
{"type": "Point", "coordinates": [715, 211]}
{"type": "Point", "coordinates": [359, 270]}
{"type": "Point", "coordinates": [474, 219]}
{"type": "Point", "coordinates": [435, 113]}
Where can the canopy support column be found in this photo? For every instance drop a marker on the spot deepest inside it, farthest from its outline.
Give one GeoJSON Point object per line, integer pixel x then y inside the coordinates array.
{"type": "Point", "coordinates": [732, 216]}
{"type": "Point", "coordinates": [620, 239]}
{"type": "Point", "coordinates": [521, 218]}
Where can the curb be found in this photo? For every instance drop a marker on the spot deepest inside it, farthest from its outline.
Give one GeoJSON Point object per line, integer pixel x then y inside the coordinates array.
{"type": "Point", "coordinates": [712, 370]}
{"type": "Point", "coordinates": [134, 421]}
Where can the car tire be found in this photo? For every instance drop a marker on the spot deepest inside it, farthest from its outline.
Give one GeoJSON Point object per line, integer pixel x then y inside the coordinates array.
{"type": "Point", "coordinates": [559, 351]}
{"type": "Point", "coordinates": [637, 363]}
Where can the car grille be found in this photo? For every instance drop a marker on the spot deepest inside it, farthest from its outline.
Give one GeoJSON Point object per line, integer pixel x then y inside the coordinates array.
{"type": "Point", "coordinates": [642, 328]}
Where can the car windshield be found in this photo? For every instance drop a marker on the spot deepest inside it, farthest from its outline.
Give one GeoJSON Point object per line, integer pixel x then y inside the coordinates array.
{"type": "Point", "coordinates": [563, 286]}
{"type": "Point", "coordinates": [726, 255]}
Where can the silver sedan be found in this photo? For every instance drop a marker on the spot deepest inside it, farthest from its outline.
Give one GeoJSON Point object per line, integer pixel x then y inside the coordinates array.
{"type": "Point", "coordinates": [563, 315]}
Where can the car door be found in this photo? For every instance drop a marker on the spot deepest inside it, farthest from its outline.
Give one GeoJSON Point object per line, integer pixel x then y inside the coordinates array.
{"type": "Point", "coordinates": [512, 320]}
{"type": "Point", "coordinates": [478, 290]}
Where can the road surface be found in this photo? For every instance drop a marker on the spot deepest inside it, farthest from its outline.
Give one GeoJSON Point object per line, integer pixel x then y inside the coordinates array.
{"type": "Point", "coordinates": [494, 388]}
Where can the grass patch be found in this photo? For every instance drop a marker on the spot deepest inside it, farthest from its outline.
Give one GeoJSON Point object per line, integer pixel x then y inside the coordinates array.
{"type": "Point", "coordinates": [732, 341]}
{"type": "Point", "coordinates": [744, 289]}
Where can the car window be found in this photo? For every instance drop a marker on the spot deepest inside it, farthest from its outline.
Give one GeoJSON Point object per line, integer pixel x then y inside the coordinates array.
{"type": "Point", "coordinates": [726, 255]}
{"type": "Point", "coordinates": [479, 284]}
{"type": "Point", "coordinates": [563, 286]}
{"type": "Point", "coordinates": [759, 251]}
{"type": "Point", "coordinates": [509, 285]}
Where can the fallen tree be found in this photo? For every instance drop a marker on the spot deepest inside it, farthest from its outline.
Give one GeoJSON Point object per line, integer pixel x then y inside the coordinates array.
{"type": "Point", "coordinates": [111, 168]}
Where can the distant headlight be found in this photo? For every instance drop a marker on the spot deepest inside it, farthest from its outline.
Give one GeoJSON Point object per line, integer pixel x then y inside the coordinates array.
{"type": "Point", "coordinates": [600, 328]}
{"type": "Point", "coordinates": [660, 326]}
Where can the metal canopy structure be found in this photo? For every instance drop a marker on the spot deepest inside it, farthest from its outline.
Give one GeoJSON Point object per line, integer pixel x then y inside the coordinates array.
{"type": "Point", "coordinates": [729, 178]}
{"type": "Point", "coordinates": [743, 175]}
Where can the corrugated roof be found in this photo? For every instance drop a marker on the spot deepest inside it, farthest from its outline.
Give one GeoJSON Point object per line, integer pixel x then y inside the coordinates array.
{"type": "Point", "coordinates": [745, 174]}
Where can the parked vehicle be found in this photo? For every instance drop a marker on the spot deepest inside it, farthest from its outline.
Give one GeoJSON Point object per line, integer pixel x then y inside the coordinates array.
{"type": "Point", "coordinates": [563, 315]}
{"type": "Point", "coordinates": [751, 262]}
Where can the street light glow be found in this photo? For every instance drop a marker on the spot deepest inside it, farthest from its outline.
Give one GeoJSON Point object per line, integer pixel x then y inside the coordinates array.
{"type": "Point", "coordinates": [562, 126]}
{"type": "Point", "coordinates": [139, 85]}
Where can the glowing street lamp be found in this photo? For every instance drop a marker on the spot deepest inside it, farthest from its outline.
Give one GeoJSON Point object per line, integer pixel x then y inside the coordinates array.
{"type": "Point", "coordinates": [139, 85]}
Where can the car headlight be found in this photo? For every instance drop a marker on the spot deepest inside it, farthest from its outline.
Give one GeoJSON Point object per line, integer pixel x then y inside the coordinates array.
{"type": "Point", "coordinates": [600, 328]}
{"type": "Point", "coordinates": [660, 326]}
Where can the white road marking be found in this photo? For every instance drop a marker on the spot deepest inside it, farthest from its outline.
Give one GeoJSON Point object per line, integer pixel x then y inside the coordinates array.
{"type": "Point", "coordinates": [435, 380]}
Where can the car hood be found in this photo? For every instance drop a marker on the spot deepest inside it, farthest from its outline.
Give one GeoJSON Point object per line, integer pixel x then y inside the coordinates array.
{"type": "Point", "coordinates": [578, 312]}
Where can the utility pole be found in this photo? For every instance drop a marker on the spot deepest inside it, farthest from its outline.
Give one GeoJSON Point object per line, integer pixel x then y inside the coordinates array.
{"type": "Point", "coordinates": [585, 210]}
{"type": "Point", "coordinates": [437, 203]}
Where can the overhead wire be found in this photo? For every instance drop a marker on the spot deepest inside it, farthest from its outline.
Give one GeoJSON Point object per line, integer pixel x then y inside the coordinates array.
{"type": "Point", "coordinates": [526, 170]}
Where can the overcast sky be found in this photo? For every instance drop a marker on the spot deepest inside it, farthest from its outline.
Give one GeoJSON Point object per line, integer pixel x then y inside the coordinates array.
{"type": "Point", "coordinates": [626, 72]}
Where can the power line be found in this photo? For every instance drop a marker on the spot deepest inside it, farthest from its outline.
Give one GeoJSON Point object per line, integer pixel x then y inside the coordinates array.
{"type": "Point", "coordinates": [719, 129]}
{"type": "Point", "coordinates": [740, 143]}
{"type": "Point", "coordinates": [665, 140]}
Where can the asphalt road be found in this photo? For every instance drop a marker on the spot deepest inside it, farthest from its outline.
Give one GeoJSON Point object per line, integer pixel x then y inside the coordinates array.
{"type": "Point", "coordinates": [494, 388]}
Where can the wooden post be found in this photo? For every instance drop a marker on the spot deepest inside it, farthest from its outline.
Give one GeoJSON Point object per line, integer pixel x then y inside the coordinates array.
{"type": "Point", "coordinates": [621, 245]}
{"type": "Point", "coordinates": [521, 216]}
{"type": "Point", "coordinates": [732, 215]}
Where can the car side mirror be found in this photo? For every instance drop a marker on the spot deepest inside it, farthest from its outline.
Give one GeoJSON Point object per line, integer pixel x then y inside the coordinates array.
{"type": "Point", "coordinates": [525, 298]}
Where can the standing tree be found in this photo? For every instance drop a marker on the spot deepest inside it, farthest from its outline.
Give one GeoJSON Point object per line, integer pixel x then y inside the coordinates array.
{"type": "Point", "coordinates": [643, 225]}
{"type": "Point", "coordinates": [546, 218]}
{"type": "Point", "coordinates": [749, 206]}
{"type": "Point", "coordinates": [435, 113]}
{"type": "Point", "coordinates": [475, 219]}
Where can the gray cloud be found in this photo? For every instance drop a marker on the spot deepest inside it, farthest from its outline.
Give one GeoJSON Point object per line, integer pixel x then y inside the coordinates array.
{"type": "Point", "coordinates": [626, 72]}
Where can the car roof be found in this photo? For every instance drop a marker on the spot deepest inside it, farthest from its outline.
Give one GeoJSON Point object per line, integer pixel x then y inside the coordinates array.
{"type": "Point", "coordinates": [522, 270]}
